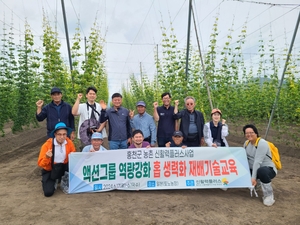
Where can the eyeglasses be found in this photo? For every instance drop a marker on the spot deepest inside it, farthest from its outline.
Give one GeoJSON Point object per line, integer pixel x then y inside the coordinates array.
{"type": "Point", "coordinates": [249, 133]}
{"type": "Point", "coordinates": [166, 98]}
{"type": "Point", "coordinates": [189, 103]}
{"type": "Point", "coordinates": [59, 134]}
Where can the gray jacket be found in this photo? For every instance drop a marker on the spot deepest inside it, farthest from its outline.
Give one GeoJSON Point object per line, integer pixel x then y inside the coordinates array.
{"type": "Point", "coordinates": [257, 156]}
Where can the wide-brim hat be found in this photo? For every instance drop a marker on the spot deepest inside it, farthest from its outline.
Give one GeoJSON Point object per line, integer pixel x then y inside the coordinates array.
{"type": "Point", "coordinates": [60, 126]}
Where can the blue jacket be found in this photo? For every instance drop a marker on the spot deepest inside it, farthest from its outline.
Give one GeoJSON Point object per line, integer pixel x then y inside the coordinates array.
{"type": "Point", "coordinates": [53, 116]}
{"type": "Point", "coordinates": [119, 123]}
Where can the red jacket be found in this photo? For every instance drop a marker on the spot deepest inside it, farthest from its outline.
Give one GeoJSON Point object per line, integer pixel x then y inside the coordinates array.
{"type": "Point", "coordinates": [44, 162]}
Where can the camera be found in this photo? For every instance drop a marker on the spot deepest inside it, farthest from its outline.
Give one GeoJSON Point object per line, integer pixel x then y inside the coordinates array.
{"type": "Point", "coordinates": [91, 129]}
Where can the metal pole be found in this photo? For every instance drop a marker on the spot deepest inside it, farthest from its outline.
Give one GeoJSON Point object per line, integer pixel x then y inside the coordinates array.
{"type": "Point", "coordinates": [282, 76]}
{"type": "Point", "coordinates": [202, 63]}
{"type": "Point", "coordinates": [156, 72]}
{"type": "Point", "coordinates": [67, 34]}
{"type": "Point", "coordinates": [188, 41]}
{"type": "Point", "coordinates": [68, 44]}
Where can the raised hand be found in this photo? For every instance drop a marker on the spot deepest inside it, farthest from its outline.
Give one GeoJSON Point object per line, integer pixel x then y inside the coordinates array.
{"type": "Point", "coordinates": [168, 144]}
{"type": "Point", "coordinates": [176, 102]}
{"type": "Point", "coordinates": [39, 103]}
{"type": "Point", "coordinates": [103, 104]}
{"type": "Point", "coordinates": [155, 105]}
{"type": "Point", "coordinates": [131, 114]}
{"type": "Point", "coordinates": [223, 121]}
{"type": "Point", "coordinates": [49, 153]}
{"type": "Point", "coordinates": [79, 96]}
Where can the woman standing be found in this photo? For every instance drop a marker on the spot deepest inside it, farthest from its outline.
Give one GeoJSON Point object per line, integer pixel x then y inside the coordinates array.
{"type": "Point", "coordinates": [260, 162]}
{"type": "Point", "coordinates": [215, 131]}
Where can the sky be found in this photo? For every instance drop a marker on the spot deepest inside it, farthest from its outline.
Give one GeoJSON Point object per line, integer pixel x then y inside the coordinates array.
{"type": "Point", "coordinates": [132, 28]}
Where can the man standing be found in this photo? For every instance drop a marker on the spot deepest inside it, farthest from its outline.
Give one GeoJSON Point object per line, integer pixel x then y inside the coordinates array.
{"type": "Point", "coordinates": [89, 113]}
{"type": "Point", "coordinates": [119, 123]}
{"type": "Point", "coordinates": [53, 157]}
{"type": "Point", "coordinates": [164, 116]}
{"type": "Point", "coordinates": [192, 123]}
{"type": "Point", "coordinates": [144, 122]}
{"type": "Point", "coordinates": [96, 143]}
{"type": "Point", "coordinates": [56, 111]}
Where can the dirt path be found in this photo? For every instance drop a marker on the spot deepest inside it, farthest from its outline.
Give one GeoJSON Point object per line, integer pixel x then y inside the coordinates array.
{"type": "Point", "coordinates": [22, 200]}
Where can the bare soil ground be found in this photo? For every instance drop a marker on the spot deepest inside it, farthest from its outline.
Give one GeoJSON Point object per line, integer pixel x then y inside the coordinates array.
{"type": "Point", "coordinates": [22, 200]}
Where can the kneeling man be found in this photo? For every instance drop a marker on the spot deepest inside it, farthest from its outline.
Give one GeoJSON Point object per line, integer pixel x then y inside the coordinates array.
{"type": "Point", "coordinates": [53, 158]}
{"type": "Point", "coordinates": [96, 143]}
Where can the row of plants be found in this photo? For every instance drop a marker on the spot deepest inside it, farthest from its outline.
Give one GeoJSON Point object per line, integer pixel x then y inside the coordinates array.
{"type": "Point", "coordinates": [28, 72]}
{"type": "Point", "coordinates": [242, 89]}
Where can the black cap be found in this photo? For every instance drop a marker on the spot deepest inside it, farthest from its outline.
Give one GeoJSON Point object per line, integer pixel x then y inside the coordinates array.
{"type": "Point", "coordinates": [177, 133]}
{"type": "Point", "coordinates": [55, 90]}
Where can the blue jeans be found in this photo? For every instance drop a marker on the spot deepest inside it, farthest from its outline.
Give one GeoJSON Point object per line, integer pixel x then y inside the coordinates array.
{"type": "Point", "coordinates": [114, 145]}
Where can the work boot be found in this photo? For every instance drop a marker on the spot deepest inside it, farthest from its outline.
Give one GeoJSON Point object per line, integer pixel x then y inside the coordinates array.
{"type": "Point", "coordinates": [268, 198]}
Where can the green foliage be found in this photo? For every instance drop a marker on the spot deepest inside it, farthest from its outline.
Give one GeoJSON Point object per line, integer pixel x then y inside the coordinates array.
{"type": "Point", "coordinates": [243, 90]}
{"type": "Point", "coordinates": [8, 72]}
{"type": "Point", "coordinates": [24, 81]}
{"type": "Point", "coordinates": [54, 72]}
{"type": "Point", "coordinates": [94, 70]}
{"type": "Point", "coordinates": [26, 84]}
{"type": "Point", "coordinates": [139, 91]}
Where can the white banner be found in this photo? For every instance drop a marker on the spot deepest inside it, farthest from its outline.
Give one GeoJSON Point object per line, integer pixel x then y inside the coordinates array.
{"type": "Point", "coordinates": [159, 168]}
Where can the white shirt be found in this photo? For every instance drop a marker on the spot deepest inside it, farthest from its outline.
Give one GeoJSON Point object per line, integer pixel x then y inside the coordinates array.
{"type": "Point", "coordinates": [86, 114]}
{"type": "Point", "coordinates": [60, 151]}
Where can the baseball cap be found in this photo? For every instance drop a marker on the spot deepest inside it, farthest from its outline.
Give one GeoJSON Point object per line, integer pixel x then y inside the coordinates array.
{"type": "Point", "coordinates": [141, 103]}
{"type": "Point", "coordinates": [55, 90]}
{"type": "Point", "coordinates": [177, 133]}
{"type": "Point", "coordinates": [216, 111]}
{"type": "Point", "coordinates": [97, 135]}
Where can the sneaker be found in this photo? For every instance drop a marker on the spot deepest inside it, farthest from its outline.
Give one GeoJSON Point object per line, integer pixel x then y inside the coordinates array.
{"type": "Point", "coordinates": [269, 200]}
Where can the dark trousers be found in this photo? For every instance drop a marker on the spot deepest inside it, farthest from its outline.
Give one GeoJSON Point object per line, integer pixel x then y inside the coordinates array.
{"type": "Point", "coordinates": [47, 183]}
{"type": "Point", "coordinates": [265, 174]}
{"type": "Point", "coordinates": [192, 141]}
{"type": "Point", "coordinates": [161, 141]}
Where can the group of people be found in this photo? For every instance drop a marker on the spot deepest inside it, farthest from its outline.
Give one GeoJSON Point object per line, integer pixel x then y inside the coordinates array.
{"type": "Point", "coordinates": [127, 130]}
